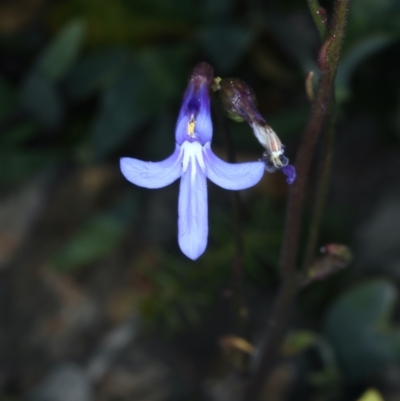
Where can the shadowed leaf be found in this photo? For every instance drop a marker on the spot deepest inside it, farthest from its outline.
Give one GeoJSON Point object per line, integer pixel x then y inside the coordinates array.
{"type": "Point", "coordinates": [225, 44]}
{"type": "Point", "coordinates": [96, 72]}
{"type": "Point", "coordinates": [358, 327]}
{"type": "Point", "coordinates": [62, 53]}
{"type": "Point", "coordinates": [41, 99]}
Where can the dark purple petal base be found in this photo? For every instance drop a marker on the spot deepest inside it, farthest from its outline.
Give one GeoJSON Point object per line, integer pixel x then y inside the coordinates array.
{"type": "Point", "coordinates": [290, 173]}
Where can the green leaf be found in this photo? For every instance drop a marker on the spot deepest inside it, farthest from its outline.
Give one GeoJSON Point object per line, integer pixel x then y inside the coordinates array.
{"type": "Point", "coordinates": [96, 72]}
{"type": "Point", "coordinates": [135, 96]}
{"type": "Point", "coordinates": [20, 165]}
{"type": "Point", "coordinates": [358, 328]}
{"type": "Point", "coordinates": [142, 91]}
{"type": "Point", "coordinates": [217, 9]}
{"type": "Point", "coordinates": [40, 98]}
{"type": "Point", "coordinates": [62, 53]}
{"type": "Point", "coordinates": [119, 115]}
{"type": "Point", "coordinates": [299, 340]}
{"type": "Point", "coordinates": [162, 69]}
{"type": "Point", "coordinates": [225, 44]}
{"type": "Point", "coordinates": [18, 134]}
{"type": "Point", "coordinates": [354, 57]}
{"type": "Point", "coordinates": [368, 17]}
{"type": "Point", "coordinates": [121, 21]}
{"type": "Point", "coordinates": [8, 99]}
{"type": "Point", "coordinates": [98, 237]}
{"type": "Point", "coordinates": [178, 293]}
{"type": "Point", "coordinates": [371, 395]}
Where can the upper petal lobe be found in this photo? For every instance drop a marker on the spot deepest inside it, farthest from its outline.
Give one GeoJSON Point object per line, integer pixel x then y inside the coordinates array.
{"type": "Point", "coordinates": [153, 175]}
{"type": "Point", "coordinates": [194, 121]}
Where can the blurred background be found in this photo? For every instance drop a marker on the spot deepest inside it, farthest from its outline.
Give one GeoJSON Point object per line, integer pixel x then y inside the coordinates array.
{"type": "Point", "coordinates": [96, 300]}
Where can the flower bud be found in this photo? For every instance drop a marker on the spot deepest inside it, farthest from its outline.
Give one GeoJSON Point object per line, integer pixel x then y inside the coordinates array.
{"type": "Point", "coordinates": [239, 101]}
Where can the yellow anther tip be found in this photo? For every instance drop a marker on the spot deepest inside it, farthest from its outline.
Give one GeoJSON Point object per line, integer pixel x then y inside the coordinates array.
{"type": "Point", "coordinates": [191, 126]}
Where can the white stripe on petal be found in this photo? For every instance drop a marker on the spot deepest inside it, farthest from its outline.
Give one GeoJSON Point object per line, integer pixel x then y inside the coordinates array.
{"type": "Point", "coordinates": [193, 211]}
{"type": "Point", "coordinates": [192, 151]}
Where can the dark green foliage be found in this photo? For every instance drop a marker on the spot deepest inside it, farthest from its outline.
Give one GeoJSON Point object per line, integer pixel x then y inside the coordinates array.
{"type": "Point", "coordinates": [359, 328]}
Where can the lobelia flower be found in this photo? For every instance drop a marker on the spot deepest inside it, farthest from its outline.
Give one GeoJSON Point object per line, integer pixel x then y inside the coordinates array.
{"type": "Point", "coordinates": [240, 103]}
{"type": "Point", "coordinates": [193, 161]}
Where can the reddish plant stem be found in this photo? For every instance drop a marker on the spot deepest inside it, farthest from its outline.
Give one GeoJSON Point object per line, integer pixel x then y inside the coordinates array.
{"type": "Point", "coordinates": [328, 60]}
{"type": "Point", "coordinates": [321, 190]}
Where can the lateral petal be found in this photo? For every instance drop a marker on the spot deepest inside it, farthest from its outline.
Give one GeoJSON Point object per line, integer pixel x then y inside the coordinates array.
{"type": "Point", "coordinates": [193, 211]}
{"type": "Point", "coordinates": [153, 175]}
{"type": "Point", "coordinates": [232, 176]}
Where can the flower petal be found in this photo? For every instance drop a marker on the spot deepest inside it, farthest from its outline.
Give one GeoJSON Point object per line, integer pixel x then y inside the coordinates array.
{"type": "Point", "coordinates": [181, 130]}
{"type": "Point", "coordinates": [193, 212]}
{"type": "Point", "coordinates": [153, 175]}
{"type": "Point", "coordinates": [196, 107]}
{"type": "Point", "coordinates": [232, 176]}
{"type": "Point", "coordinates": [290, 173]}
{"type": "Point", "coordinates": [204, 128]}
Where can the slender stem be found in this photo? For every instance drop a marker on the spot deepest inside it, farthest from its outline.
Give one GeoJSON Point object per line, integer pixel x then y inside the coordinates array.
{"type": "Point", "coordinates": [328, 61]}
{"type": "Point", "coordinates": [276, 330]}
{"type": "Point", "coordinates": [320, 193]}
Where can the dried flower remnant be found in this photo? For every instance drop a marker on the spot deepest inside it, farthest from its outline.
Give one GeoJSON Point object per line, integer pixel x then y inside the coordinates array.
{"type": "Point", "coordinates": [335, 257]}
{"type": "Point", "coordinates": [240, 103]}
{"type": "Point", "coordinates": [193, 161]}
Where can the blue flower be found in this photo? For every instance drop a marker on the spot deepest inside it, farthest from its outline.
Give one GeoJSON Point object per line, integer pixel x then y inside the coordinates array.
{"type": "Point", "coordinates": [193, 161]}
